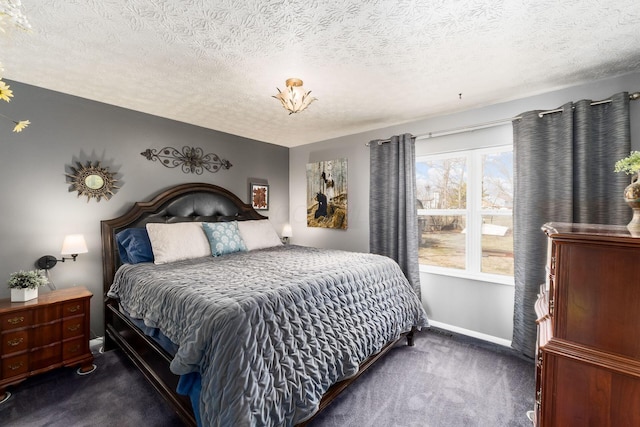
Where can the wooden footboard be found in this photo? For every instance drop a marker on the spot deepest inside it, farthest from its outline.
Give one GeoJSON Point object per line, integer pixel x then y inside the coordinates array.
{"type": "Point", "coordinates": [148, 356]}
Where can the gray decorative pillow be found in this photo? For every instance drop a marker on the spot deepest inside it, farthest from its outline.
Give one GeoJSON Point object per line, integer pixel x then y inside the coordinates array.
{"type": "Point", "coordinates": [224, 237]}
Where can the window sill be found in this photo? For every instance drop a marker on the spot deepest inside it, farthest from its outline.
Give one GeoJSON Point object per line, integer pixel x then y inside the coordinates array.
{"type": "Point", "coordinates": [481, 277]}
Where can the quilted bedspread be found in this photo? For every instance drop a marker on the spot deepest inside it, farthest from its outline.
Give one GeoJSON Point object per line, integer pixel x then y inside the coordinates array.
{"type": "Point", "coordinates": [271, 330]}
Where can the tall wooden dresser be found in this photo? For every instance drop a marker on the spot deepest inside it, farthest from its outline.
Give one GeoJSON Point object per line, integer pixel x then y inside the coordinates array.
{"type": "Point", "coordinates": [588, 361]}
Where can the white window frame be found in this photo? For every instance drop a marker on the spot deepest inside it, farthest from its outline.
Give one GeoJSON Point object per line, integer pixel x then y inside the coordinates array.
{"type": "Point", "coordinates": [473, 214]}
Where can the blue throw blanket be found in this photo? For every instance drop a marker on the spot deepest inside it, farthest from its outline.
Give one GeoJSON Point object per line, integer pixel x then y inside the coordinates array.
{"type": "Point", "coordinates": [271, 330]}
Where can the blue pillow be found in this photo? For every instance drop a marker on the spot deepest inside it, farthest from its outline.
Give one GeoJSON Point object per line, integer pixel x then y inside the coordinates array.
{"type": "Point", "coordinates": [224, 237]}
{"type": "Point", "coordinates": [134, 246]}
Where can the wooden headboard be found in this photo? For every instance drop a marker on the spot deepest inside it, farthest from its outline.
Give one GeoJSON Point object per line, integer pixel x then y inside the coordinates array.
{"type": "Point", "coordinates": [182, 203]}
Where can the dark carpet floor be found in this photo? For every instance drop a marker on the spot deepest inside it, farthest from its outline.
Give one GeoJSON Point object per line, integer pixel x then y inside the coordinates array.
{"type": "Point", "coordinates": [115, 394]}
{"type": "Point", "coordinates": [443, 381]}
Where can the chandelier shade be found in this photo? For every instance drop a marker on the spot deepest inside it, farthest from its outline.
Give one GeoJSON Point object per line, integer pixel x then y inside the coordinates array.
{"type": "Point", "coordinates": [12, 16]}
{"type": "Point", "coordinates": [294, 98]}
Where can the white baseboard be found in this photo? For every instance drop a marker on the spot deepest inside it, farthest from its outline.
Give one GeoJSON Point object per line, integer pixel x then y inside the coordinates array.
{"type": "Point", "coordinates": [96, 344]}
{"type": "Point", "coordinates": [468, 332]}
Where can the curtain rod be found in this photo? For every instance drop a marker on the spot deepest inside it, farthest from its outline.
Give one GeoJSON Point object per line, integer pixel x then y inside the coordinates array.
{"type": "Point", "coordinates": [632, 97]}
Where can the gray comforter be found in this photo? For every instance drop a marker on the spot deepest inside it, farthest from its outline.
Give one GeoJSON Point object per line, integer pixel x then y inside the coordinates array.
{"type": "Point", "coordinates": [271, 330]}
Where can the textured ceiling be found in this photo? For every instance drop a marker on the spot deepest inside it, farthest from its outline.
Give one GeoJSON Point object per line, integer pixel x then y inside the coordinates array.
{"type": "Point", "coordinates": [371, 64]}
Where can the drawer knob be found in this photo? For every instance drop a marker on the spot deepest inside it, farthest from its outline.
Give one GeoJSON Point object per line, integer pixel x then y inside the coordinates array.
{"type": "Point", "coordinates": [74, 308]}
{"type": "Point", "coordinates": [73, 328]}
{"type": "Point", "coordinates": [15, 342]}
{"type": "Point", "coordinates": [74, 349]}
{"type": "Point", "coordinates": [16, 366]}
{"type": "Point", "coordinates": [16, 320]}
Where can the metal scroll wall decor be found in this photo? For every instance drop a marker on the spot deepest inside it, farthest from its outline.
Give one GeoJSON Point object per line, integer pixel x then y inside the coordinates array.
{"type": "Point", "coordinates": [190, 159]}
{"type": "Point", "coordinates": [92, 180]}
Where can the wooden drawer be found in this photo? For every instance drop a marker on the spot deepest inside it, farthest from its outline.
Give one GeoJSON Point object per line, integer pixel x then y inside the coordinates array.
{"type": "Point", "coordinates": [16, 341]}
{"type": "Point", "coordinates": [581, 393]}
{"type": "Point", "coordinates": [47, 314]}
{"type": "Point", "coordinates": [15, 365]}
{"type": "Point", "coordinates": [16, 319]}
{"type": "Point", "coordinates": [72, 327]}
{"type": "Point", "coordinates": [597, 300]}
{"type": "Point", "coordinates": [74, 348]}
{"type": "Point", "coordinates": [47, 334]}
{"type": "Point", "coordinates": [72, 308]}
{"type": "Point", "coordinates": [44, 357]}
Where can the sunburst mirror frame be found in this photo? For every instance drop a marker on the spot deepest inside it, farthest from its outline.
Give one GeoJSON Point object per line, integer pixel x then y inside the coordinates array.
{"type": "Point", "coordinates": [93, 181]}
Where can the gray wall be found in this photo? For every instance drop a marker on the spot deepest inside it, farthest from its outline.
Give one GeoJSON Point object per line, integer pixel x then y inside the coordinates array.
{"type": "Point", "coordinates": [38, 210]}
{"type": "Point", "coordinates": [478, 308]}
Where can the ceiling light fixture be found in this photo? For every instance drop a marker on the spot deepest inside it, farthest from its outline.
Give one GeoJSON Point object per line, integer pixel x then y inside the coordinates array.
{"type": "Point", "coordinates": [294, 98]}
{"type": "Point", "coordinates": [10, 13]}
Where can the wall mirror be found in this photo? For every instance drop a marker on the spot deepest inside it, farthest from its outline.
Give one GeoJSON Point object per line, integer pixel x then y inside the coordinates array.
{"type": "Point", "coordinates": [93, 181]}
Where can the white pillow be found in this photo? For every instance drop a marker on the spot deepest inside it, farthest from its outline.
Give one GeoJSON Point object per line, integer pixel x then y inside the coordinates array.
{"type": "Point", "coordinates": [258, 234]}
{"type": "Point", "coordinates": [177, 241]}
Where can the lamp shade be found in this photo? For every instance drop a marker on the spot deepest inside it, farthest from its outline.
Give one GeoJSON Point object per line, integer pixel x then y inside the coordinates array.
{"type": "Point", "coordinates": [286, 231]}
{"type": "Point", "coordinates": [74, 244]}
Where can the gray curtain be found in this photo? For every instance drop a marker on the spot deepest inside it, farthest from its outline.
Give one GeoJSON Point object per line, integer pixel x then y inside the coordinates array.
{"type": "Point", "coordinates": [393, 216]}
{"type": "Point", "coordinates": [563, 172]}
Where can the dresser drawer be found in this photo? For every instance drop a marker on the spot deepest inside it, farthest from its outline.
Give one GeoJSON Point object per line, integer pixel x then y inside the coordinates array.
{"type": "Point", "coordinates": [72, 308]}
{"type": "Point", "coordinates": [47, 314]}
{"type": "Point", "coordinates": [16, 319]}
{"type": "Point", "coordinates": [15, 365]}
{"type": "Point", "coordinates": [74, 348]}
{"type": "Point", "coordinates": [44, 335]}
{"type": "Point", "coordinates": [72, 327]}
{"type": "Point", "coordinates": [44, 357]}
{"type": "Point", "coordinates": [16, 341]}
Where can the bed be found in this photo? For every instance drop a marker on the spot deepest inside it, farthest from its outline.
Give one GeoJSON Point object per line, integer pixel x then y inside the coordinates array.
{"type": "Point", "coordinates": [255, 332]}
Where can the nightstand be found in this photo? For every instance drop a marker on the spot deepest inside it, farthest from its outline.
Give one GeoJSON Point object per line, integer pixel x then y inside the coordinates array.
{"type": "Point", "coordinates": [45, 333]}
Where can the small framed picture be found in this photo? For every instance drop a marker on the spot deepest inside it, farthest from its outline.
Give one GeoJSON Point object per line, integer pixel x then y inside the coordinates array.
{"type": "Point", "coordinates": [259, 196]}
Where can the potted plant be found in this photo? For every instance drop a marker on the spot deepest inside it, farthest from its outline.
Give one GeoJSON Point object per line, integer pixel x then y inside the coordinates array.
{"type": "Point", "coordinates": [631, 166]}
{"type": "Point", "coordinates": [24, 284]}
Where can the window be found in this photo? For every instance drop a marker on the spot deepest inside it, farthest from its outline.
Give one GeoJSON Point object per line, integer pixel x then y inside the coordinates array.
{"type": "Point", "coordinates": [465, 213]}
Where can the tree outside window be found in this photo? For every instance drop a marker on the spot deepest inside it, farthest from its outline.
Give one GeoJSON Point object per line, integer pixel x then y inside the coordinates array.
{"type": "Point", "coordinates": [465, 203]}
